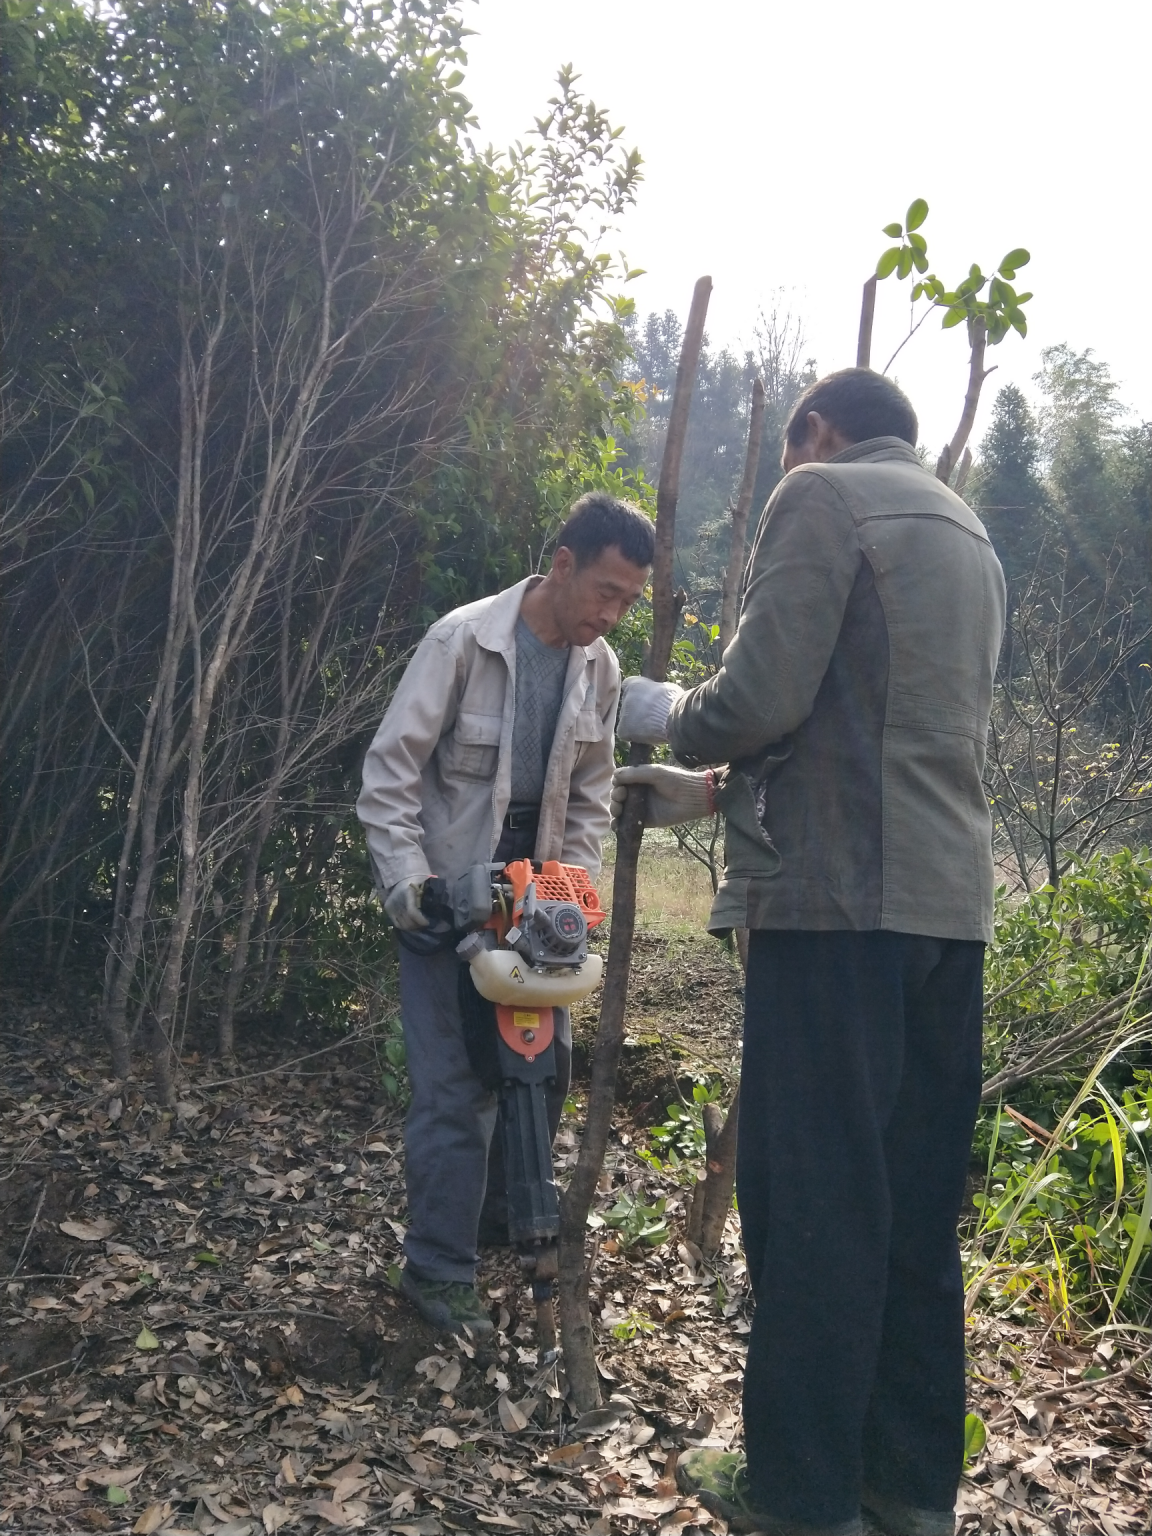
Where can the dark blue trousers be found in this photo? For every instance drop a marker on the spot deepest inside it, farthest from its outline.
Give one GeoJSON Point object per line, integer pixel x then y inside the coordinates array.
{"type": "Point", "coordinates": [859, 1092]}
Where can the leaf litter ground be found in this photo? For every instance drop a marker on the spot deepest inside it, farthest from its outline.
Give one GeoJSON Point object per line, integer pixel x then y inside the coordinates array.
{"type": "Point", "coordinates": [200, 1333]}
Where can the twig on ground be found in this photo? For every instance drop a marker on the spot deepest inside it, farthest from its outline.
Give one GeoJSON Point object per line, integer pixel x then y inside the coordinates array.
{"type": "Point", "coordinates": [31, 1229]}
{"type": "Point", "coordinates": [225, 1082]}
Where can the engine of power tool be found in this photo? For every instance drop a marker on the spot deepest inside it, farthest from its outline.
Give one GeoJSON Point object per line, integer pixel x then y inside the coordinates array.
{"type": "Point", "coordinates": [525, 929]}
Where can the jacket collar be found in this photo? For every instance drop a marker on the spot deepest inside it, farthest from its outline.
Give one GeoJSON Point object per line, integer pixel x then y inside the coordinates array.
{"type": "Point", "coordinates": [496, 631]}
{"type": "Point", "coordinates": [878, 450]}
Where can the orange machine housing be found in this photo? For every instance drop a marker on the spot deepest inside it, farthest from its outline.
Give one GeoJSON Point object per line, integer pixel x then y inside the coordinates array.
{"type": "Point", "coordinates": [527, 1031]}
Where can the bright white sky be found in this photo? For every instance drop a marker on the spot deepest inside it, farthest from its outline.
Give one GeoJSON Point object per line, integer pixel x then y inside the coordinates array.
{"type": "Point", "coordinates": [777, 139]}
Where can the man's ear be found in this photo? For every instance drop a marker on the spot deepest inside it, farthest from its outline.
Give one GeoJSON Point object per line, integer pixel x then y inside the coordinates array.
{"type": "Point", "coordinates": [563, 563]}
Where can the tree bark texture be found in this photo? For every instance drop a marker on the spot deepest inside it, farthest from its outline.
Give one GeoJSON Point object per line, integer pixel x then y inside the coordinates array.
{"type": "Point", "coordinates": [734, 575]}
{"type": "Point", "coordinates": [977, 373]}
{"type": "Point", "coordinates": [576, 1202]}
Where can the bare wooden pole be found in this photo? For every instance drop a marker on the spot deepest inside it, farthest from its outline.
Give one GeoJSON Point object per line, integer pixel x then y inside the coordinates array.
{"type": "Point", "coordinates": [735, 571]}
{"type": "Point", "coordinates": [867, 315]}
{"type": "Point", "coordinates": [712, 1198]}
{"type": "Point", "coordinates": [576, 1201]}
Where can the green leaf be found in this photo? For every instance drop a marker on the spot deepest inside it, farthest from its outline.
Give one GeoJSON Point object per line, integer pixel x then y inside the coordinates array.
{"type": "Point", "coordinates": [917, 291]}
{"type": "Point", "coordinates": [893, 231]}
{"type": "Point", "coordinates": [146, 1339]}
{"type": "Point", "coordinates": [207, 1258]}
{"type": "Point", "coordinates": [116, 1495]}
{"type": "Point", "coordinates": [1013, 261]}
{"type": "Point", "coordinates": [887, 263]}
{"type": "Point", "coordinates": [975, 1437]}
{"type": "Point", "coordinates": [920, 261]}
{"type": "Point", "coordinates": [904, 265]}
{"type": "Point", "coordinates": [953, 317]}
{"type": "Point", "coordinates": [918, 243]}
{"type": "Point", "coordinates": [916, 214]}
{"type": "Point", "coordinates": [392, 1275]}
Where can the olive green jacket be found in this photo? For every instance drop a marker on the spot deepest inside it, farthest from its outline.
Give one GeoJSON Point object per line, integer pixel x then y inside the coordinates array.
{"type": "Point", "coordinates": [852, 706]}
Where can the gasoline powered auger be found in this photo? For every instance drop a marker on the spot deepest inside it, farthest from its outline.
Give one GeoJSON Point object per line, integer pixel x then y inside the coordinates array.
{"type": "Point", "coordinates": [526, 931]}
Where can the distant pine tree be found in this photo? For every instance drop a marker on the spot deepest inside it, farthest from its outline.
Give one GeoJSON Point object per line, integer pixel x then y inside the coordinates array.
{"type": "Point", "coordinates": [1006, 488]}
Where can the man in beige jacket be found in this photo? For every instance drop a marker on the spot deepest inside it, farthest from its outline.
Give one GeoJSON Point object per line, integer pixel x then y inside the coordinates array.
{"type": "Point", "coordinates": [498, 745]}
{"type": "Point", "coordinates": [850, 714]}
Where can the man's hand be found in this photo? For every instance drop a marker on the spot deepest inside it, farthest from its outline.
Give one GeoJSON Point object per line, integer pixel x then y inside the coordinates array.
{"type": "Point", "coordinates": [644, 707]}
{"type": "Point", "coordinates": [674, 795]}
{"type": "Point", "coordinates": [402, 905]}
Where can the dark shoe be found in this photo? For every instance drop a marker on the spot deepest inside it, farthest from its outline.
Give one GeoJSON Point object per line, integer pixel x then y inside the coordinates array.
{"type": "Point", "coordinates": [897, 1519]}
{"type": "Point", "coordinates": [719, 1479]}
{"type": "Point", "coordinates": [447, 1305]}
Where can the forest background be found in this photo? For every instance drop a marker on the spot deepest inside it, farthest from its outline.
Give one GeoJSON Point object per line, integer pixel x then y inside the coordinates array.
{"type": "Point", "coordinates": [290, 368]}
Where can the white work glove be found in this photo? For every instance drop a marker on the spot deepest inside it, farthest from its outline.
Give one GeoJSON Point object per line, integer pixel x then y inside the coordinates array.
{"type": "Point", "coordinates": [674, 795]}
{"type": "Point", "coordinates": [402, 905]}
{"type": "Point", "coordinates": [644, 707]}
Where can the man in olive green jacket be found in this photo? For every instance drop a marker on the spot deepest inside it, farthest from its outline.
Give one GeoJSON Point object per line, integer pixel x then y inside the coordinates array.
{"type": "Point", "coordinates": [851, 712]}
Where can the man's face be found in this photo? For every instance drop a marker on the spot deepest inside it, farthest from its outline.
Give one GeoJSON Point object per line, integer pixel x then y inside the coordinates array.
{"type": "Point", "coordinates": [592, 599]}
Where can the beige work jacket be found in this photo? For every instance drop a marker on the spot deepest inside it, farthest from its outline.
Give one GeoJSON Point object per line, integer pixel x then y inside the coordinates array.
{"type": "Point", "coordinates": [438, 774]}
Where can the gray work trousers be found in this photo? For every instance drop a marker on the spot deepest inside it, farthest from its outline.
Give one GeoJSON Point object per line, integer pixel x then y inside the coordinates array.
{"type": "Point", "coordinates": [448, 1132]}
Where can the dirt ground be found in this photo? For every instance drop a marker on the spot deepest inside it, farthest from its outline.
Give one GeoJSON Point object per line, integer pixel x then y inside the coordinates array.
{"type": "Point", "coordinates": [201, 1332]}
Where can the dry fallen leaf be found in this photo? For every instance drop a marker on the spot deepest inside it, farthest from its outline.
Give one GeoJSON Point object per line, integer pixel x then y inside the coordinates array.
{"type": "Point", "coordinates": [89, 1231]}
{"type": "Point", "coordinates": [333, 1513]}
{"type": "Point", "coordinates": [442, 1435]}
{"type": "Point", "coordinates": [447, 1379]}
{"type": "Point", "coordinates": [112, 1477]}
{"type": "Point", "coordinates": [599, 1421]}
{"type": "Point", "coordinates": [276, 1515]}
{"type": "Point", "coordinates": [510, 1416]}
{"type": "Point", "coordinates": [152, 1519]}
{"type": "Point", "coordinates": [562, 1453]}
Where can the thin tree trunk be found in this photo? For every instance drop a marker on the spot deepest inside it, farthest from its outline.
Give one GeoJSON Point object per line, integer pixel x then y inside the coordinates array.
{"type": "Point", "coordinates": [867, 315]}
{"type": "Point", "coordinates": [712, 1196]}
{"type": "Point", "coordinates": [734, 574]}
{"type": "Point", "coordinates": [575, 1267]}
{"type": "Point", "coordinates": [977, 373]}
{"type": "Point", "coordinates": [716, 1199]}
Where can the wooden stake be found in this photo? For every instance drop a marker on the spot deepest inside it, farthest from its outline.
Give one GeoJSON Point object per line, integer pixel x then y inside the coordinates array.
{"type": "Point", "coordinates": [576, 1201]}
{"type": "Point", "coordinates": [867, 315]}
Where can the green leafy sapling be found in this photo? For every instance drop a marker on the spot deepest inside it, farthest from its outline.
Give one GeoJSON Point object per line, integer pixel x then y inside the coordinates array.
{"type": "Point", "coordinates": [989, 306]}
{"type": "Point", "coordinates": [1001, 309]}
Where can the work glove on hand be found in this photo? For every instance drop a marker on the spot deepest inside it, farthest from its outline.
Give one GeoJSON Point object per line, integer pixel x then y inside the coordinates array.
{"type": "Point", "coordinates": [402, 905]}
{"type": "Point", "coordinates": [674, 795]}
{"type": "Point", "coordinates": [644, 707]}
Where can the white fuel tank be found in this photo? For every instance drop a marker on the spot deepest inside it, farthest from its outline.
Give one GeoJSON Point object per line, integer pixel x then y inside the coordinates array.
{"type": "Point", "coordinates": [502, 976]}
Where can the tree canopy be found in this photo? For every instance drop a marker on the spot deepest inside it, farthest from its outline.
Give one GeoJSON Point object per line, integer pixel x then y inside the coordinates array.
{"type": "Point", "coordinates": [292, 367]}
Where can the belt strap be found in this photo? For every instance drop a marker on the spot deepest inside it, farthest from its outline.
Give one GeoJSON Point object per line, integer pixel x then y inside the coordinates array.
{"type": "Point", "coordinates": [520, 817]}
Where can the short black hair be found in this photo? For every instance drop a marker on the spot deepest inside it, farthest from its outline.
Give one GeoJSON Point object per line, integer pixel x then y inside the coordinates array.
{"type": "Point", "coordinates": [859, 403]}
{"type": "Point", "coordinates": [597, 521]}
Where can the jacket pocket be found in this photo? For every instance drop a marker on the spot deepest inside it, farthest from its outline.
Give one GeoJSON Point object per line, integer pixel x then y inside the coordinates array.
{"type": "Point", "coordinates": [589, 726]}
{"type": "Point", "coordinates": [472, 748]}
{"type": "Point", "coordinates": [748, 850]}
